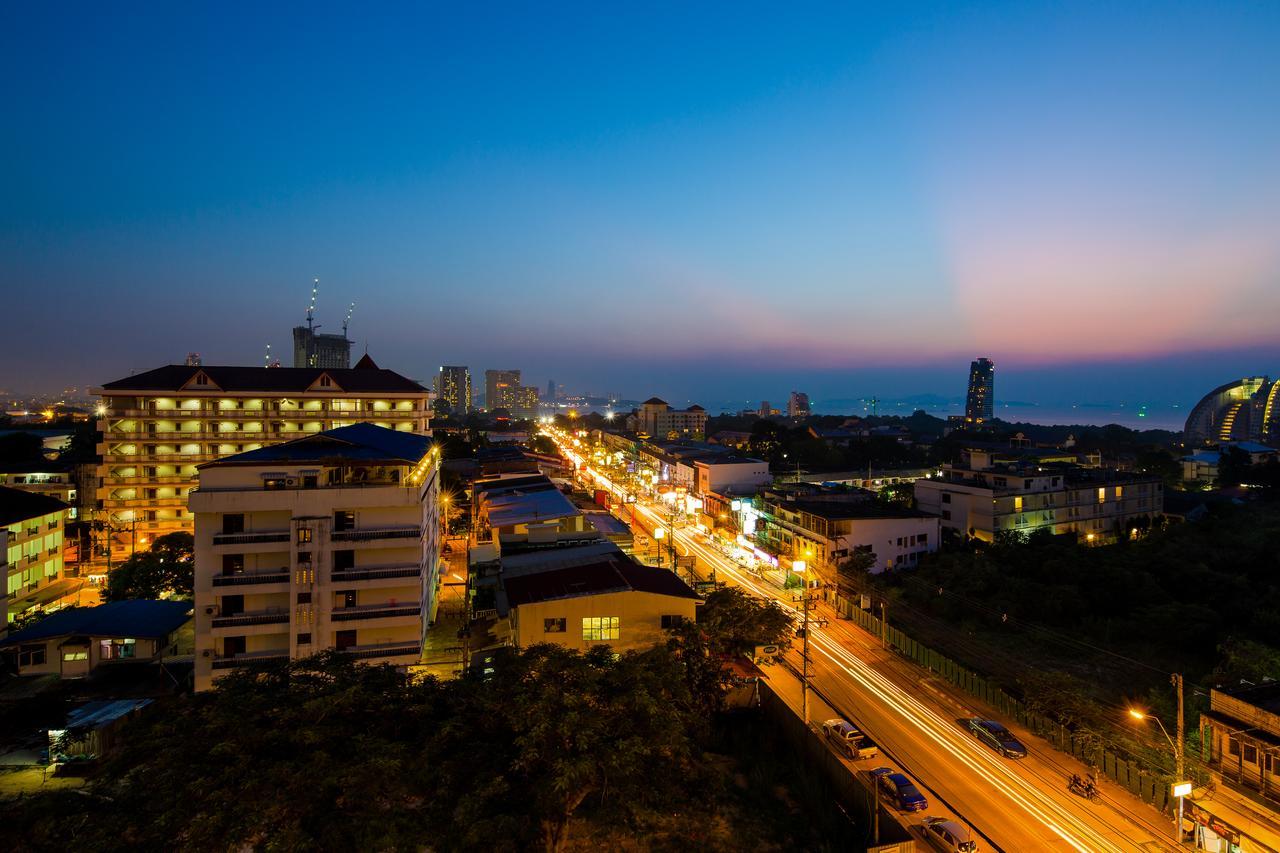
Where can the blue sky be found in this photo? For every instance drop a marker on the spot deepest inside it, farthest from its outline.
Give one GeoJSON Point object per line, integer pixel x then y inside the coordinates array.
{"type": "Point", "coordinates": [706, 202]}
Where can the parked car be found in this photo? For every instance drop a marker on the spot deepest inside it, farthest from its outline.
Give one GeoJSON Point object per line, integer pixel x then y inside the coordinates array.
{"type": "Point", "coordinates": [848, 740]}
{"type": "Point", "coordinates": [949, 835]}
{"type": "Point", "coordinates": [900, 790]}
{"type": "Point", "coordinates": [996, 736]}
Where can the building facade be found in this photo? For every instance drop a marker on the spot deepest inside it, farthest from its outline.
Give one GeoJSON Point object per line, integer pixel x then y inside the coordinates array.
{"type": "Point", "coordinates": [453, 389]}
{"type": "Point", "coordinates": [500, 389]}
{"type": "Point", "coordinates": [1094, 504]}
{"type": "Point", "coordinates": [159, 426]}
{"type": "Point", "coordinates": [525, 402]}
{"type": "Point", "coordinates": [979, 402]}
{"type": "Point", "coordinates": [74, 642]}
{"type": "Point", "coordinates": [823, 534]}
{"type": "Point", "coordinates": [660, 422]}
{"type": "Point", "coordinates": [1242, 733]}
{"type": "Point", "coordinates": [33, 533]}
{"type": "Point", "coordinates": [327, 542]}
{"type": "Point", "coordinates": [315, 350]}
{"type": "Point", "coordinates": [798, 405]}
{"type": "Point", "coordinates": [1247, 409]}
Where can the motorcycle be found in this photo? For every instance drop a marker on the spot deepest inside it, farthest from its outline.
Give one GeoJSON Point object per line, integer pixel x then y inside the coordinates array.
{"type": "Point", "coordinates": [1084, 788]}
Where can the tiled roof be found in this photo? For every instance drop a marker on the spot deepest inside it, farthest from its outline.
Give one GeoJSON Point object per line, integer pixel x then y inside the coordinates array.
{"type": "Point", "coordinates": [136, 618]}
{"type": "Point", "coordinates": [362, 442]}
{"type": "Point", "coordinates": [275, 380]}
{"type": "Point", "coordinates": [616, 575]}
{"type": "Point", "coordinates": [17, 505]}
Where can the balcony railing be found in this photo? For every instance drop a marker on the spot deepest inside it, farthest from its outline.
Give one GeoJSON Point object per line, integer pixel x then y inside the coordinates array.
{"type": "Point", "coordinates": [250, 578]}
{"type": "Point", "coordinates": [249, 658]}
{"type": "Point", "coordinates": [250, 538]}
{"type": "Point", "coordinates": [377, 573]}
{"type": "Point", "coordinates": [258, 617]}
{"type": "Point", "coordinates": [374, 611]}
{"type": "Point", "coordinates": [383, 650]}
{"type": "Point", "coordinates": [370, 533]}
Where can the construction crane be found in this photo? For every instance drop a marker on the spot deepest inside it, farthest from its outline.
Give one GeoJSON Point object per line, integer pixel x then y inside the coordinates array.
{"type": "Point", "coordinates": [347, 321]}
{"type": "Point", "coordinates": [311, 309]}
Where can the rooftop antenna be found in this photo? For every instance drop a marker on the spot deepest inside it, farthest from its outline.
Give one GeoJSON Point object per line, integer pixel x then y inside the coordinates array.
{"type": "Point", "coordinates": [347, 321]}
{"type": "Point", "coordinates": [311, 309]}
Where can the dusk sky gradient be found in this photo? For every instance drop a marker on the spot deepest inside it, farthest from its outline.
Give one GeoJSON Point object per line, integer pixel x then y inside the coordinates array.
{"type": "Point", "coordinates": [694, 201]}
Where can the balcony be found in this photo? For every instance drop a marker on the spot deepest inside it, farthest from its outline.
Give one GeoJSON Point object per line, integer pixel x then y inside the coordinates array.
{"type": "Point", "coordinates": [248, 538]}
{"type": "Point", "coordinates": [250, 658]}
{"type": "Point", "coordinates": [368, 534]}
{"type": "Point", "coordinates": [383, 650]}
{"type": "Point", "coordinates": [257, 617]}
{"type": "Point", "coordinates": [368, 573]}
{"type": "Point", "coordinates": [375, 611]}
{"type": "Point", "coordinates": [251, 578]}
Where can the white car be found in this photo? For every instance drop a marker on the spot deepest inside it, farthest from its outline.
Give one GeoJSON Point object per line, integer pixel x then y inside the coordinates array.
{"type": "Point", "coordinates": [949, 835]}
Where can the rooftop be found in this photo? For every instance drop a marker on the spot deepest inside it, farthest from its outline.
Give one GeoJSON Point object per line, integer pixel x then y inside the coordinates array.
{"type": "Point", "coordinates": [520, 507]}
{"type": "Point", "coordinates": [362, 442]}
{"type": "Point", "coordinates": [136, 618]}
{"type": "Point", "coordinates": [613, 575]}
{"type": "Point", "coordinates": [17, 505]}
{"type": "Point", "coordinates": [366, 377]}
{"type": "Point", "coordinates": [845, 511]}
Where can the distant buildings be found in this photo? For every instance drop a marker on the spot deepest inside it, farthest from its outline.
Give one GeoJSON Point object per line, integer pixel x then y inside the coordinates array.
{"type": "Point", "coordinates": [525, 402]}
{"type": "Point", "coordinates": [500, 389]}
{"type": "Point", "coordinates": [311, 349]}
{"type": "Point", "coordinates": [764, 411]}
{"type": "Point", "coordinates": [979, 403]}
{"type": "Point", "coordinates": [989, 494]}
{"type": "Point", "coordinates": [453, 390]}
{"type": "Point", "coordinates": [660, 422]}
{"type": "Point", "coordinates": [798, 405]}
{"type": "Point", "coordinates": [824, 533]}
{"type": "Point", "coordinates": [194, 359]}
{"type": "Point", "coordinates": [158, 426]}
{"type": "Point", "coordinates": [32, 527]}
{"type": "Point", "coordinates": [331, 541]}
{"type": "Point", "coordinates": [1244, 410]}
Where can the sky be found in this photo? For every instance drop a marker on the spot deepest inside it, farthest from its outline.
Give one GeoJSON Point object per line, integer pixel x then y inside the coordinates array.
{"type": "Point", "coordinates": [699, 201]}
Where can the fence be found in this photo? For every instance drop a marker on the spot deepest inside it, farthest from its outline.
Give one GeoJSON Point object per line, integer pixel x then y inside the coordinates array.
{"type": "Point", "coordinates": [1087, 747]}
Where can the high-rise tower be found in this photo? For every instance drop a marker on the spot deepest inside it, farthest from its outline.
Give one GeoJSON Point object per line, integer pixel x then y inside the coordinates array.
{"type": "Point", "coordinates": [979, 404]}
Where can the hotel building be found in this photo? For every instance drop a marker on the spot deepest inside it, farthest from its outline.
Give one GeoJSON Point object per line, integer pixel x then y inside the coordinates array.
{"type": "Point", "coordinates": [330, 541]}
{"type": "Point", "coordinates": [157, 427]}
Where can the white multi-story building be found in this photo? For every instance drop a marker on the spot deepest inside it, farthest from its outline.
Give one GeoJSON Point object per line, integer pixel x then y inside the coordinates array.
{"type": "Point", "coordinates": [157, 427]}
{"type": "Point", "coordinates": [331, 541]}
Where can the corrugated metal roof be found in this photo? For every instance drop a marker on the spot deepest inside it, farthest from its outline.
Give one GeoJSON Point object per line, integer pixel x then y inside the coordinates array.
{"type": "Point", "coordinates": [137, 618]}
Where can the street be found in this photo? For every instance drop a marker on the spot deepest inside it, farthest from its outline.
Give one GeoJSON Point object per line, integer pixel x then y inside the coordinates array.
{"type": "Point", "coordinates": [1014, 804]}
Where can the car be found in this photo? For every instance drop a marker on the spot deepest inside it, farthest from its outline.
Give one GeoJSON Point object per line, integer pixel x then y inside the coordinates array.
{"type": "Point", "coordinates": [996, 736]}
{"type": "Point", "coordinates": [949, 835]}
{"type": "Point", "coordinates": [900, 790]}
{"type": "Point", "coordinates": [847, 739]}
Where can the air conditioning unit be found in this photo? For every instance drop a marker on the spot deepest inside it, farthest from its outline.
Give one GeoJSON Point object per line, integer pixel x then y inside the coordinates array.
{"type": "Point", "coordinates": [211, 610]}
{"type": "Point", "coordinates": [291, 482]}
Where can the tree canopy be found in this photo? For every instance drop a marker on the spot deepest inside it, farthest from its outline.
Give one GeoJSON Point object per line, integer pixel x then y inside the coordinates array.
{"type": "Point", "coordinates": [166, 569]}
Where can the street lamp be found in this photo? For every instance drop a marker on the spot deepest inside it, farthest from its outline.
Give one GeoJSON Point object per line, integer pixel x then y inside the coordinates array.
{"type": "Point", "coordinates": [1181, 788]}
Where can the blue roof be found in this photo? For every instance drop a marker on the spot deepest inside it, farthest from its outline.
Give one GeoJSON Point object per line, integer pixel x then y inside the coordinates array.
{"type": "Point", "coordinates": [102, 711]}
{"type": "Point", "coordinates": [362, 442]}
{"type": "Point", "coordinates": [135, 618]}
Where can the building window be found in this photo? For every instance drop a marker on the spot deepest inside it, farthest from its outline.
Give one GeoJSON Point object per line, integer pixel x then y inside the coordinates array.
{"type": "Point", "coordinates": [554, 626]}
{"type": "Point", "coordinates": [344, 519]}
{"type": "Point", "coordinates": [344, 560]}
{"type": "Point", "coordinates": [946, 515]}
{"type": "Point", "coordinates": [74, 656]}
{"type": "Point", "coordinates": [946, 497]}
{"type": "Point", "coordinates": [1102, 495]}
{"type": "Point", "coordinates": [344, 640]}
{"type": "Point", "coordinates": [304, 639]}
{"type": "Point", "coordinates": [1233, 746]}
{"type": "Point", "coordinates": [304, 535]}
{"type": "Point", "coordinates": [1250, 754]}
{"type": "Point", "coordinates": [600, 628]}
{"type": "Point", "coordinates": [232, 564]}
{"type": "Point", "coordinates": [674, 621]}
{"type": "Point", "coordinates": [33, 655]}
{"type": "Point", "coordinates": [117, 649]}
{"type": "Point", "coordinates": [304, 598]}
{"type": "Point", "coordinates": [233, 523]}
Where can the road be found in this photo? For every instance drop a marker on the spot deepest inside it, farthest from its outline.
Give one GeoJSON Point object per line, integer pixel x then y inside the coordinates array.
{"type": "Point", "coordinates": [1016, 805]}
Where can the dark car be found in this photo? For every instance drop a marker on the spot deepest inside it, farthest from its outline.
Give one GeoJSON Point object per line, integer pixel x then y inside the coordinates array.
{"type": "Point", "coordinates": [997, 737]}
{"type": "Point", "coordinates": [900, 790]}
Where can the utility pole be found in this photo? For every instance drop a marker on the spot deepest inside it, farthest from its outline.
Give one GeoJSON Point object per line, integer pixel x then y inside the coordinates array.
{"type": "Point", "coordinates": [884, 625]}
{"type": "Point", "coordinates": [1176, 678]}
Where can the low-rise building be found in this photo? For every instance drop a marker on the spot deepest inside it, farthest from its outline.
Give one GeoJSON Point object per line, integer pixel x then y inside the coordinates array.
{"type": "Point", "coordinates": [33, 526]}
{"type": "Point", "coordinates": [824, 533]}
{"type": "Point", "coordinates": [326, 542]}
{"type": "Point", "coordinates": [1242, 733]}
{"type": "Point", "coordinates": [523, 508]}
{"type": "Point", "coordinates": [75, 642]}
{"type": "Point", "coordinates": [660, 422]}
{"type": "Point", "coordinates": [730, 474]}
{"type": "Point", "coordinates": [983, 500]}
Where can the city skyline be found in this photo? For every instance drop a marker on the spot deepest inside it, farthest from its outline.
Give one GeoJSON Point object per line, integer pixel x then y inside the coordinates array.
{"type": "Point", "coordinates": [854, 202]}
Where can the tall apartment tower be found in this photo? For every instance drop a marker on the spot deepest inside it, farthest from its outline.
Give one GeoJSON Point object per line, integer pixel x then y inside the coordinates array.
{"type": "Point", "coordinates": [798, 405]}
{"type": "Point", "coordinates": [453, 389]}
{"type": "Point", "coordinates": [551, 390]}
{"type": "Point", "coordinates": [158, 426]}
{"type": "Point", "coordinates": [331, 541]}
{"type": "Point", "coordinates": [311, 349]}
{"type": "Point", "coordinates": [501, 388]}
{"type": "Point", "coordinates": [979, 404]}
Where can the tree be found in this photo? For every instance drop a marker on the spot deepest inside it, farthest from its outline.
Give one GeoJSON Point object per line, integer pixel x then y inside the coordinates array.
{"type": "Point", "coordinates": [1234, 467]}
{"type": "Point", "coordinates": [735, 622]}
{"type": "Point", "coordinates": [854, 572]}
{"type": "Point", "coordinates": [21, 447]}
{"type": "Point", "coordinates": [167, 569]}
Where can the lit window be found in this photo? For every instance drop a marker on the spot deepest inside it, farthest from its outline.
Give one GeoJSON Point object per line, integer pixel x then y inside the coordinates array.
{"type": "Point", "coordinates": [600, 628]}
{"type": "Point", "coordinates": [1102, 495]}
{"type": "Point", "coordinates": [74, 656]}
{"type": "Point", "coordinates": [304, 535]}
{"type": "Point", "coordinates": [555, 626]}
